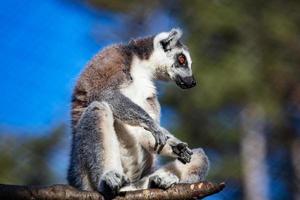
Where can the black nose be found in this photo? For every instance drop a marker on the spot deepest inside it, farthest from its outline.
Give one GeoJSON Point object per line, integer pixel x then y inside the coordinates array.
{"type": "Point", "coordinates": [189, 81]}
{"type": "Point", "coordinates": [186, 82]}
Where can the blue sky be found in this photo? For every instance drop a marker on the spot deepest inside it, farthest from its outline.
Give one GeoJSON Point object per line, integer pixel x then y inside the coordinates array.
{"type": "Point", "coordinates": [44, 45]}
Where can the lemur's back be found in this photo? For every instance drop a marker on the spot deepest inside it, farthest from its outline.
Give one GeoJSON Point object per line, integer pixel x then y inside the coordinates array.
{"type": "Point", "coordinates": [105, 71]}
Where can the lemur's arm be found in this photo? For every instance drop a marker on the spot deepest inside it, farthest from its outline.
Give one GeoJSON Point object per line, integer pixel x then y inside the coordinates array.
{"type": "Point", "coordinates": [127, 111]}
{"type": "Point", "coordinates": [174, 147]}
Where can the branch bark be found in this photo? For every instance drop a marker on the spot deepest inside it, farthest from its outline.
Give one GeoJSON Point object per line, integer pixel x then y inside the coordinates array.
{"type": "Point", "coordinates": [64, 192]}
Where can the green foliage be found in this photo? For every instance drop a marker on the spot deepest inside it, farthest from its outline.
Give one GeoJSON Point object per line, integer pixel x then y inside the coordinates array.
{"type": "Point", "coordinates": [26, 160]}
{"type": "Point", "coordinates": [243, 53]}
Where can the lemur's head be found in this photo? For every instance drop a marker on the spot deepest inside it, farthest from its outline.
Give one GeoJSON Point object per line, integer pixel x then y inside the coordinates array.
{"type": "Point", "coordinates": [174, 60]}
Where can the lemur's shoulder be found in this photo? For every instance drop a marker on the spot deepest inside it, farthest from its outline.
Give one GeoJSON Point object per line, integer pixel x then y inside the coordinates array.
{"type": "Point", "coordinates": [108, 65]}
{"type": "Point", "coordinates": [107, 70]}
{"type": "Point", "coordinates": [111, 66]}
{"type": "Point", "coordinates": [104, 71]}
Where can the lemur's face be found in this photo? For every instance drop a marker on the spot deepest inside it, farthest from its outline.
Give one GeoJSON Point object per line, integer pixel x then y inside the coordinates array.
{"type": "Point", "coordinates": [175, 58]}
{"type": "Point", "coordinates": [181, 69]}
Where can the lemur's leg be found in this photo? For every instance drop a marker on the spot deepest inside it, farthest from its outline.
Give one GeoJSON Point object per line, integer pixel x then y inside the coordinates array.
{"type": "Point", "coordinates": [174, 147]}
{"type": "Point", "coordinates": [96, 149]}
{"type": "Point", "coordinates": [77, 174]}
{"type": "Point", "coordinates": [175, 172]}
{"type": "Point", "coordinates": [130, 113]}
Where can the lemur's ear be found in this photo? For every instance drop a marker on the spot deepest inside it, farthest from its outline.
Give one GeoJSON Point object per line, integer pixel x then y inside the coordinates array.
{"type": "Point", "coordinates": [170, 41]}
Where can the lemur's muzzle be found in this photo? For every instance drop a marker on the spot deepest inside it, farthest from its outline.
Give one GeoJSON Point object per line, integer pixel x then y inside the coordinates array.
{"type": "Point", "coordinates": [185, 82]}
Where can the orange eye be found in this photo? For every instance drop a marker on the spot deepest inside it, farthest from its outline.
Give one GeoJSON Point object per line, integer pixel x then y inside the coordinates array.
{"type": "Point", "coordinates": [181, 59]}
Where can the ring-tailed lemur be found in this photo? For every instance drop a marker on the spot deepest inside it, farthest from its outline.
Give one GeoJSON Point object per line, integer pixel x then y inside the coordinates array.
{"type": "Point", "coordinates": [116, 114]}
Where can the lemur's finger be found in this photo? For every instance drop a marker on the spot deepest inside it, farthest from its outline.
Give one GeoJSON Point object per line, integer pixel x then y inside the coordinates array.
{"type": "Point", "coordinates": [157, 180]}
{"type": "Point", "coordinates": [189, 151]}
{"type": "Point", "coordinates": [182, 146]}
{"type": "Point", "coordinates": [175, 150]}
{"type": "Point", "coordinates": [182, 160]}
{"type": "Point", "coordinates": [184, 157]}
{"type": "Point", "coordinates": [187, 157]}
{"type": "Point", "coordinates": [178, 148]}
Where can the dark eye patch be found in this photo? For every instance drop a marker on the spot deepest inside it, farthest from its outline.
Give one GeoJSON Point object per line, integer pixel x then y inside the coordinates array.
{"type": "Point", "coordinates": [165, 45]}
{"type": "Point", "coordinates": [181, 59]}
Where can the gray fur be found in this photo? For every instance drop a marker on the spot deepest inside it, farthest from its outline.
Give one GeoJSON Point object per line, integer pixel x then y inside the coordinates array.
{"type": "Point", "coordinates": [142, 47]}
{"type": "Point", "coordinates": [114, 139]}
{"type": "Point", "coordinates": [134, 115]}
{"type": "Point", "coordinates": [87, 163]}
{"type": "Point", "coordinates": [175, 172]}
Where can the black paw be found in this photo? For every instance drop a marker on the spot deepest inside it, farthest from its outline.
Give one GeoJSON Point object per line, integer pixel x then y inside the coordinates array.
{"type": "Point", "coordinates": [183, 152]}
{"type": "Point", "coordinates": [111, 183]}
{"type": "Point", "coordinates": [163, 182]}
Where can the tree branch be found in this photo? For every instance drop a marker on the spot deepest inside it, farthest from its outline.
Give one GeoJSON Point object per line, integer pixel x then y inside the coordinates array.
{"type": "Point", "coordinates": [63, 192]}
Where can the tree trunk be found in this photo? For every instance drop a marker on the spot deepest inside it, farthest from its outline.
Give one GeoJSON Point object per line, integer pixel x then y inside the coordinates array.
{"type": "Point", "coordinates": [63, 192]}
{"type": "Point", "coordinates": [296, 165]}
{"type": "Point", "coordinates": [253, 149]}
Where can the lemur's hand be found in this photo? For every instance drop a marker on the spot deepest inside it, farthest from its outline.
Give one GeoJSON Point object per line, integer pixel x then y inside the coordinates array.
{"type": "Point", "coordinates": [183, 151]}
{"type": "Point", "coordinates": [160, 140]}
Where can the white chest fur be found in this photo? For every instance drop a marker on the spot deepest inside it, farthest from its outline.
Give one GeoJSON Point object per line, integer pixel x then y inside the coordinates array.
{"type": "Point", "coordinates": [142, 85]}
{"type": "Point", "coordinates": [141, 88]}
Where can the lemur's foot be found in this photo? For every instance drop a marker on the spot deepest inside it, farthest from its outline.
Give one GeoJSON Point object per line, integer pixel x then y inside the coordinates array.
{"type": "Point", "coordinates": [163, 181]}
{"type": "Point", "coordinates": [183, 152]}
{"type": "Point", "coordinates": [111, 182]}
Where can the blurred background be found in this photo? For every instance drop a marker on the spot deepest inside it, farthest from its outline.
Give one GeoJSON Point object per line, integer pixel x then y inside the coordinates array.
{"type": "Point", "coordinates": [245, 110]}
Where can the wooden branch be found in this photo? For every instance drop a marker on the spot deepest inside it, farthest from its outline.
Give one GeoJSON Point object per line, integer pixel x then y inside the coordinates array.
{"type": "Point", "coordinates": [178, 192]}
{"type": "Point", "coordinates": [64, 192]}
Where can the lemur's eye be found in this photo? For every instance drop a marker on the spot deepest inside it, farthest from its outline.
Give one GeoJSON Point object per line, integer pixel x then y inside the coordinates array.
{"type": "Point", "coordinates": [181, 59]}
